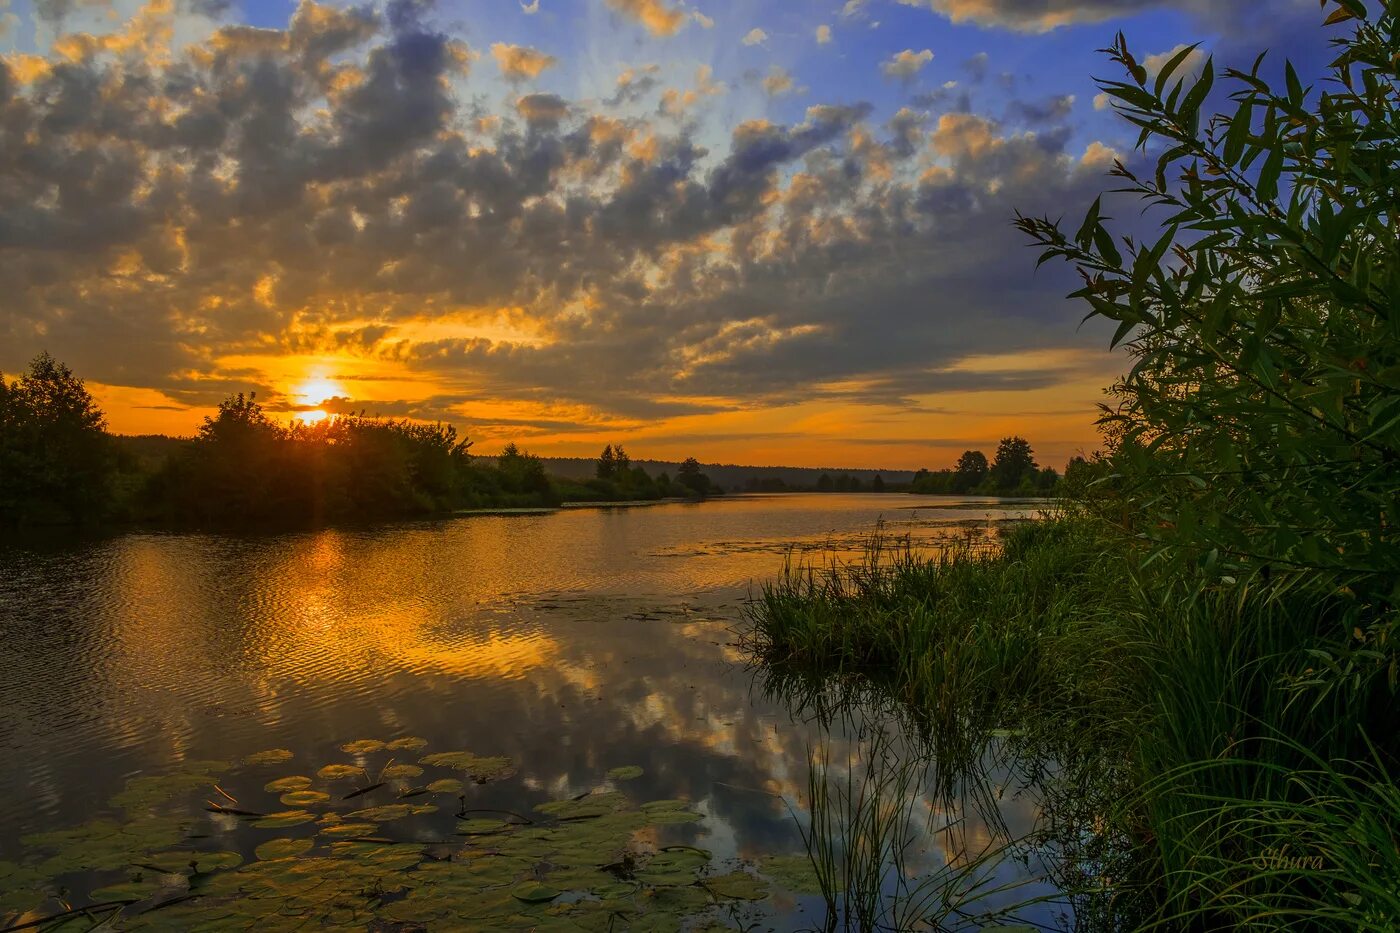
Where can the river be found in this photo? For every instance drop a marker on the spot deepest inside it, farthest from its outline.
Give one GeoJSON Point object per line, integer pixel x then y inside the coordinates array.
{"type": "Point", "coordinates": [569, 643]}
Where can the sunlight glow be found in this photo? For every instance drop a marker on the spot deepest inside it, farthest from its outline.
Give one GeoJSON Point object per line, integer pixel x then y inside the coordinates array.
{"type": "Point", "coordinates": [316, 390]}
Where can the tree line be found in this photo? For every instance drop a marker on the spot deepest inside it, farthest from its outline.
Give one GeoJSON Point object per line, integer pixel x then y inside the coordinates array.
{"type": "Point", "coordinates": [60, 465]}
{"type": "Point", "coordinates": [1012, 471]}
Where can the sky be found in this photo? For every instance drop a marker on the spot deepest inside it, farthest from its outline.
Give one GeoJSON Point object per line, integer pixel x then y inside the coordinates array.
{"type": "Point", "coordinates": [769, 233]}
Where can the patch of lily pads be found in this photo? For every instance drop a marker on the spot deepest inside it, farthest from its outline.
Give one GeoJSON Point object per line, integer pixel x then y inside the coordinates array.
{"type": "Point", "coordinates": [383, 844]}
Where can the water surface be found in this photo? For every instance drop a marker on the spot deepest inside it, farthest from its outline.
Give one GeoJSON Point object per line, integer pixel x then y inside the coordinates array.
{"type": "Point", "coordinates": [572, 642]}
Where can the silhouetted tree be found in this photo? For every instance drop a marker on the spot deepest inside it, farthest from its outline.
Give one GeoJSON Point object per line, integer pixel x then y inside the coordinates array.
{"type": "Point", "coordinates": [877, 484]}
{"type": "Point", "coordinates": [607, 463]}
{"type": "Point", "coordinates": [1014, 463]}
{"type": "Point", "coordinates": [56, 459]}
{"type": "Point", "coordinates": [970, 472]}
{"type": "Point", "coordinates": [688, 474]}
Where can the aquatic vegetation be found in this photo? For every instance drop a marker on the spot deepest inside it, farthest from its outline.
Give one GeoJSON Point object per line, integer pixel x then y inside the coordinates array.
{"type": "Point", "coordinates": [595, 861]}
{"type": "Point", "coordinates": [480, 769]}
{"type": "Point", "coordinates": [625, 773]}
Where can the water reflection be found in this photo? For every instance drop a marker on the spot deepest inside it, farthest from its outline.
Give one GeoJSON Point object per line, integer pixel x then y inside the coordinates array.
{"type": "Point", "coordinates": [573, 643]}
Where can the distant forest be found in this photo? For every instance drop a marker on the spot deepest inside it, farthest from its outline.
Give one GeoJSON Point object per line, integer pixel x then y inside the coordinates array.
{"type": "Point", "coordinates": [60, 465]}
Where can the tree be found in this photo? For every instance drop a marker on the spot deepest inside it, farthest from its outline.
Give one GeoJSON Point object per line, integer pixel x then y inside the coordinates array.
{"type": "Point", "coordinates": [1014, 464]}
{"type": "Point", "coordinates": [607, 463]}
{"type": "Point", "coordinates": [970, 472]}
{"type": "Point", "coordinates": [690, 476]}
{"type": "Point", "coordinates": [56, 458]}
{"type": "Point", "coordinates": [825, 483]}
{"type": "Point", "coordinates": [1258, 430]}
{"type": "Point", "coordinates": [877, 484]}
{"type": "Point", "coordinates": [523, 473]}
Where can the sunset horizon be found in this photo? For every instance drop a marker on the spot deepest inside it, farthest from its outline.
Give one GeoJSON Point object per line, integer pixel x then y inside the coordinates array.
{"type": "Point", "coordinates": [771, 235]}
{"type": "Point", "coordinates": [700, 465]}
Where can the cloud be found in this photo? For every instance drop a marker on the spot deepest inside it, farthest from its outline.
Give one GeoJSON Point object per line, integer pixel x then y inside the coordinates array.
{"type": "Point", "coordinates": [778, 82]}
{"type": "Point", "coordinates": [1046, 15]}
{"type": "Point", "coordinates": [1048, 110]}
{"type": "Point", "coordinates": [346, 187]}
{"type": "Point", "coordinates": [754, 36]}
{"type": "Point", "coordinates": [635, 83]}
{"type": "Point", "coordinates": [976, 66]}
{"type": "Point", "coordinates": [906, 64]}
{"type": "Point", "coordinates": [1189, 68]}
{"type": "Point", "coordinates": [704, 21]}
{"type": "Point", "coordinates": [823, 34]}
{"type": "Point", "coordinates": [659, 18]}
{"type": "Point", "coordinates": [531, 8]}
{"type": "Point", "coordinates": [520, 62]}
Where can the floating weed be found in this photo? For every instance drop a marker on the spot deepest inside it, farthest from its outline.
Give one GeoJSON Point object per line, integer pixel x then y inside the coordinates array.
{"type": "Point", "coordinates": [268, 757]}
{"type": "Point", "coordinates": [625, 773]}
{"type": "Point", "coordinates": [304, 798]}
{"type": "Point", "coordinates": [362, 746]}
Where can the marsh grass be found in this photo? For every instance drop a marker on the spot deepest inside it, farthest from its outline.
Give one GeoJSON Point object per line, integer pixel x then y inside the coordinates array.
{"type": "Point", "coordinates": [1186, 734]}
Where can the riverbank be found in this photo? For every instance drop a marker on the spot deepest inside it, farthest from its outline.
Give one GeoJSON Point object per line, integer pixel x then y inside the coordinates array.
{"type": "Point", "coordinates": [1208, 778]}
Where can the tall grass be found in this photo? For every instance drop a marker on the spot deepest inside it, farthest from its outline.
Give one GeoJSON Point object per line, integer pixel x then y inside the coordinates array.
{"type": "Point", "coordinates": [1193, 736]}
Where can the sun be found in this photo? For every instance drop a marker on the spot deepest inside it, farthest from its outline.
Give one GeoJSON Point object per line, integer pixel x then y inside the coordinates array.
{"type": "Point", "coordinates": [316, 390]}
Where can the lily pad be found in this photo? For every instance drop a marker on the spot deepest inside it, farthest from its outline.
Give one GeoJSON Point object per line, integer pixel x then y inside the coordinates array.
{"type": "Point", "coordinates": [534, 892]}
{"type": "Point", "coordinates": [407, 743]}
{"type": "Point", "coordinates": [625, 773]}
{"type": "Point", "coordinates": [390, 812]}
{"type": "Point", "coordinates": [482, 827]}
{"type": "Point", "coordinates": [126, 891]}
{"type": "Point", "coordinates": [593, 805]}
{"type": "Point", "coordinates": [304, 798]}
{"type": "Point", "coordinates": [674, 866]}
{"type": "Point", "coordinates": [282, 785]}
{"type": "Point", "coordinates": [270, 756]}
{"type": "Point", "coordinates": [182, 861]}
{"type": "Point", "coordinates": [284, 819]}
{"type": "Point", "coordinates": [738, 885]}
{"type": "Point", "coordinates": [339, 772]}
{"type": "Point", "coordinates": [283, 848]}
{"type": "Point", "coordinates": [401, 772]}
{"type": "Point", "coordinates": [481, 769]}
{"type": "Point", "coordinates": [362, 746]}
{"type": "Point", "coordinates": [793, 872]}
{"type": "Point", "coordinates": [336, 830]}
{"type": "Point", "coordinates": [446, 786]}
